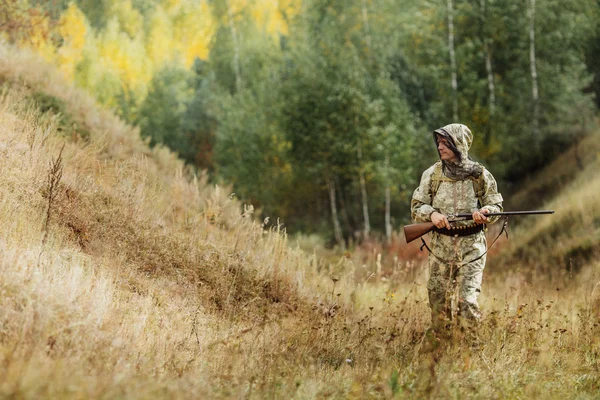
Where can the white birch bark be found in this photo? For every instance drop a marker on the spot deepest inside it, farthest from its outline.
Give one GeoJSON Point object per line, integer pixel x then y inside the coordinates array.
{"type": "Point", "coordinates": [236, 47]}
{"type": "Point", "coordinates": [388, 202]}
{"type": "Point", "coordinates": [363, 194]}
{"type": "Point", "coordinates": [488, 63]}
{"type": "Point", "coordinates": [337, 229]}
{"type": "Point", "coordinates": [365, 16]}
{"type": "Point", "coordinates": [532, 62]}
{"type": "Point", "coordinates": [452, 61]}
{"type": "Point", "coordinates": [490, 75]}
{"type": "Point", "coordinates": [363, 186]}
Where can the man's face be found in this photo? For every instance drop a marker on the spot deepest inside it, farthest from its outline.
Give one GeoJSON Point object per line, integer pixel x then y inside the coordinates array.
{"type": "Point", "coordinates": [446, 154]}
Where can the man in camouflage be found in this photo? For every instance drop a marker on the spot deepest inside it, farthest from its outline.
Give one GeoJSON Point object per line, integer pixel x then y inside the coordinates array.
{"type": "Point", "coordinates": [455, 184]}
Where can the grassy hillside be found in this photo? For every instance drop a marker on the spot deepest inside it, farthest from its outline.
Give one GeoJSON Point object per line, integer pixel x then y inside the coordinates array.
{"type": "Point", "coordinates": [122, 275]}
{"type": "Point", "coordinates": [570, 240]}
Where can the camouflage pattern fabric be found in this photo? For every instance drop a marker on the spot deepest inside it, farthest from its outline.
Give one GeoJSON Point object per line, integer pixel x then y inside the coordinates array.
{"type": "Point", "coordinates": [451, 269]}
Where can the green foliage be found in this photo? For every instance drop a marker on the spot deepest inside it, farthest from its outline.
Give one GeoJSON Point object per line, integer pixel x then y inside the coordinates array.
{"type": "Point", "coordinates": [198, 122]}
{"type": "Point", "coordinates": [162, 111]}
{"type": "Point", "coordinates": [250, 154]}
{"type": "Point", "coordinates": [592, 55]}
{"type": "Point", "coordinates": [394, 382]}
{"type": "Point", "coordinates": [51, 106]}
{"type": "Point", "coordinates": [342, 102]}
{"type": "Point", "coordinates": [96, 11]}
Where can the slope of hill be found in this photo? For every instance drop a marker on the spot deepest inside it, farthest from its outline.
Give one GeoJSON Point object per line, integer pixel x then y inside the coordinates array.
{"type": "Point", "coordinates": [123, 275]}
{"type": "Point", "coordinates": [570, 239]}
{"type": "Point", "coordinates": [112, 253]}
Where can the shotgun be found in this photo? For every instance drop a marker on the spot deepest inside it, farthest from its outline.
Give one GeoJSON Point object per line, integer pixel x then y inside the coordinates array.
{"type": "Point", "coordinates": [415, 231]}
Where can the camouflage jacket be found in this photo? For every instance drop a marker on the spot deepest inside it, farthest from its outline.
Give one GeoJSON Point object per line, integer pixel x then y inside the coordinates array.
{"type": "Point", "coordinates": [436, 192]}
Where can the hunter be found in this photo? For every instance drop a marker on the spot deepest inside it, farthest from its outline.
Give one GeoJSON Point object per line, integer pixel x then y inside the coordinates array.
{"type": "Point", "coordinates": [455, 184]}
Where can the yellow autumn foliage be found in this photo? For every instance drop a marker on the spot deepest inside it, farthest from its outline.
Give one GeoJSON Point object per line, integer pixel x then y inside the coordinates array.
{"type": "Point", "coordinates": [72, 28]}
{"type": "Point", "coordinates": [127, 52]}
{"type": "Point", "coordinates": [272, 15]}
{"type": "Point", "coordinates": [130, 19]}
{"type": "Point", "coordinates": [193, 32]}
{"type": "Point", "coordinates": [38, 35]}
{"type": "Point", "coordinates": [126, 57]}
{"type": "Point", "coordinates": [159, 43]}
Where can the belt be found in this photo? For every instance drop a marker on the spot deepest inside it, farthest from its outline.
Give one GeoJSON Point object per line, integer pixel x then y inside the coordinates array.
{"type": "Point", "coordinates": [466, 230]}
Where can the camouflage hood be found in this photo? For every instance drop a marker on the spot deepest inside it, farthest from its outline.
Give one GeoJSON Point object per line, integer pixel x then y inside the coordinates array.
{"type": "Point", "coordinates": [461, 139]}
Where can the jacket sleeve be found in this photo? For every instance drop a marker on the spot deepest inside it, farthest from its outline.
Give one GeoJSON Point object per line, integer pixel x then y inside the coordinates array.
{"type": "Point", "coordinates": [492, 200]}
{"type": "Point", "coordinates": [420, 204]}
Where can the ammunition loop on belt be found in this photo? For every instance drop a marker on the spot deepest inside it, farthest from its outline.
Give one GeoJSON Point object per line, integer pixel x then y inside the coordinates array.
{"type": "Point", "coordinates": [461, 230]}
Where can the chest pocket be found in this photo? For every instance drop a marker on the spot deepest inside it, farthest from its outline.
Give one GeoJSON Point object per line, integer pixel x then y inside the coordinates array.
{"type": "Point", "coordinates": [465, 201]}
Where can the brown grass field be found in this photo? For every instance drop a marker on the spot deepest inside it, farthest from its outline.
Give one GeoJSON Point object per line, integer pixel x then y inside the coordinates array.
{"type": "Point", "coordinates": [122, 275]}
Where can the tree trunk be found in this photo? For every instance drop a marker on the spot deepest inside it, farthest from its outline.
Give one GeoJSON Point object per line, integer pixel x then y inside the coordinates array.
{"type": "Point", "coordinates": [236, 48]}
{"type": "Point", "coordinates": [452, 61]}
{"type": "Point", "coordinates": [485, 37]}
{"type": "Point", "coordinates": [488, 62]}
{"type": "Point", "coordinates": [363, 184]}
{"type": "Point", "coordinates": [337, 229]}
{"type": "Point", "coordinates": [341, 198]}
{"type": "Point", "coordinates": [532, 62]}
{"type": "Point", "coordinates": [388, 219]}
{"type": "Point", "coordinates": [365, 204]}
{"type": "Point", "coordinates": [365, 16]}
{"type": "Point", "coordinates": [490, 75]}
{"type": "Point", "coordinates": [388, 202]}
{"type": "Point", "coordinates": [363, 194]}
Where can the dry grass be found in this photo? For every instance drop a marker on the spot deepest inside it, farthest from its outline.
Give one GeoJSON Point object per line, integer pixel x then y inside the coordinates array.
{"type": "Point", "coordinates": [152, 284]}
{"type": "Point", "coordinates": [571, 238]}
{"type": "Point", "coordinates": [557, 177]}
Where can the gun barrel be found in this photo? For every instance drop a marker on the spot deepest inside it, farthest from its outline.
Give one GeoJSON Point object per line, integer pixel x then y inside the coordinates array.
{"type": "Point", "coordinates": [532, 212]}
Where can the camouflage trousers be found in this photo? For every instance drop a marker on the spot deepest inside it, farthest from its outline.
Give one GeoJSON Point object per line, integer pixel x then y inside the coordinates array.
{"type": "Point", "coordinates": [448, 272]}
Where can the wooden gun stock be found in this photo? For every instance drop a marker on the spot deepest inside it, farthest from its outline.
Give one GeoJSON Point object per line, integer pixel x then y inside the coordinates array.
{"type": "Point", "coordinates": [415, 231]}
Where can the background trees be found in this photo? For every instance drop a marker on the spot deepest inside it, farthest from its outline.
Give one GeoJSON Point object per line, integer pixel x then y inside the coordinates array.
{"type": "Point", "coordinates": [319, 111]}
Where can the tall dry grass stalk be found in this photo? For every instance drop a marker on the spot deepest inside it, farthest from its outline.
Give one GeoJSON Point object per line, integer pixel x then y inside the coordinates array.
{"type": "Point", "coordinates": [53, 177]}
{"type": "Point", "coordinates": [153, 284]}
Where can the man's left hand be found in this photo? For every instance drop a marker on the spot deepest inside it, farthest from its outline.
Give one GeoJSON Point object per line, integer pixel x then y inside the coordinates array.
{"type": "Point", "coordinates": [479, 216]}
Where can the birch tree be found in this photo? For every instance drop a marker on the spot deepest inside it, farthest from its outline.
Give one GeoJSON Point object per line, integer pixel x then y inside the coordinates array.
{"type": "Point", "coordinates": [534, 77]}
{"type": "Point", "coordinates": [236, 46]}
{"type": "Point", "coordinates": [453, 73]}
{"type": "Point", "coordinates": [363, 192]}
{"type": "Point", "coordinates": [488, 61]}
{"type": "Point", "coordinates": [363, 184]}
{"type": "Point", "coordinates": [365, 17]}
{"type": "Point", "coordinates": [337, 229]}
{"type": "Point", "coordinates": [388, 200]}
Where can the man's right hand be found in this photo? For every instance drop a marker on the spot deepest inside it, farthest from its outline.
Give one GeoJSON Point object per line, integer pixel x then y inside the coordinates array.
{"type": "Point", "coordinates": [440, 220]}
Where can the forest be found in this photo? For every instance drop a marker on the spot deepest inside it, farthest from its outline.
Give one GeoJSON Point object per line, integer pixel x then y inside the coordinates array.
{"type": "Point", "coordinates": [319, 113]}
